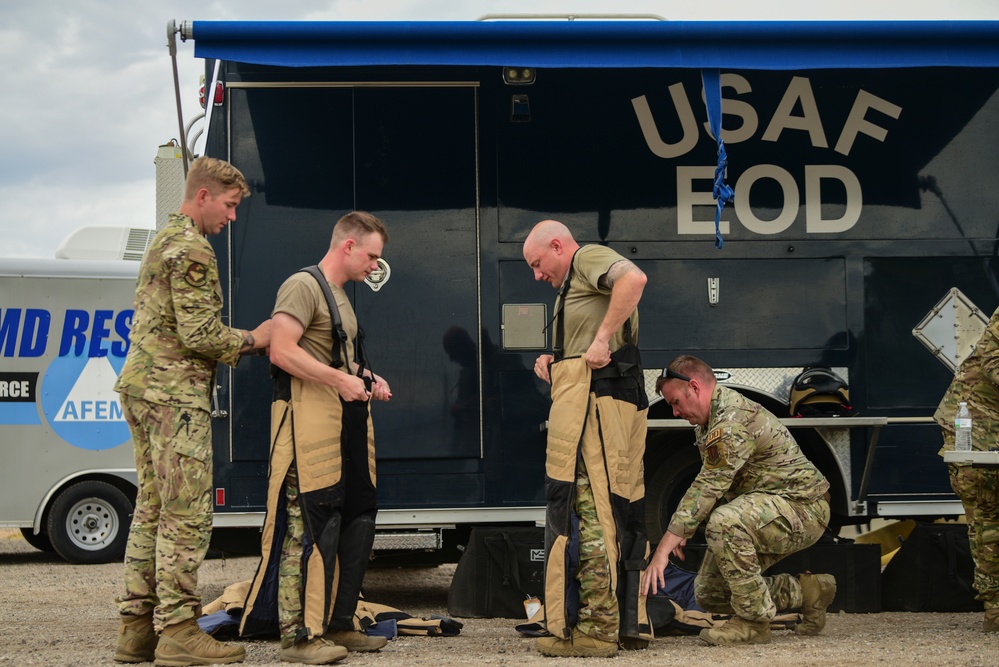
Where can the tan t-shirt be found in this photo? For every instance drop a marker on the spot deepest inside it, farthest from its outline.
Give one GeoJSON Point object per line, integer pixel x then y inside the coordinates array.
{"type": "Point", "coordinates": [301, 297]}
{"type": "Point", "coordinates": [586, 302]}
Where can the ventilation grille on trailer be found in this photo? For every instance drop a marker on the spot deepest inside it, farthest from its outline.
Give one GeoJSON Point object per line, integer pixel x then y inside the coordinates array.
{"type": "Point", "coordinates": [136, 243]}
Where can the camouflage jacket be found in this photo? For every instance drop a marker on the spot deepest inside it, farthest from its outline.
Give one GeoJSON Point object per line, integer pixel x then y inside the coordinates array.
{"type": "Point", "coordinates": [977, 382]}
{"type": "Point", "coordinates": [744, 449]}
{"type": "Point", "coordinates": [177, 332]}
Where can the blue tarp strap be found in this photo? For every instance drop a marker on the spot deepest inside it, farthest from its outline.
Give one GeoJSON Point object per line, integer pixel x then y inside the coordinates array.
{"type": "Point", "coordinates": [712, 100]}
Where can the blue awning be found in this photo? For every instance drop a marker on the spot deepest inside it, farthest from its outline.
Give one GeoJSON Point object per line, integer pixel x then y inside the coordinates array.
{"type": "Point", "coordinates": [780, 45]}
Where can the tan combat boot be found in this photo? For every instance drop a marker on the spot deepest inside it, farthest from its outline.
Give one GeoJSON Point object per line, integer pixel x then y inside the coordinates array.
{"type": "Point", "coordinates": [817, 593]}
{"type": "Point", "coordinates": [136, 639]}
{"type": "Point", "coordinates": [579, 646]}
{"type": "Point", "coordinates": [352, 640]}
{"type": "Point", "coordinates": [186, 644]}
{"type": "Point", "coordinates": [737, 630]}
{"type": "Point", "coordinates": [315, 651]}
{"type": "Point", "coordinates": [991, 620]}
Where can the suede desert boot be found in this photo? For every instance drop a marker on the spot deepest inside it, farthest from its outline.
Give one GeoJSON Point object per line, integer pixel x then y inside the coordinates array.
{"type": "Point", "coordinates": [737, 630]}
{"type": "Point", "coordinates": [186, 644]}
{"type": "Point", "coordinates": [352, 640]}
{"type": "Point", "coordinates": [315, 651]}
{"type": "Point", "coordinates": [136, 639]}
{"type": "Point", "coordinates": [578, 646]}
{"type": "Point", "coordinates": [817, 593]}
{"type": "Point", "coordinates": [991, 623]}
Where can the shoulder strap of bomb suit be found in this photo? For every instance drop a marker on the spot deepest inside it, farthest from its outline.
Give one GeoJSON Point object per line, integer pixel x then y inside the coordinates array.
{"type": "Point", "coordinates": [339, 335]}
{"type": "Point", "coordinates": [282, 379]}
{"type": "Point", "coordinates": [558, 340]}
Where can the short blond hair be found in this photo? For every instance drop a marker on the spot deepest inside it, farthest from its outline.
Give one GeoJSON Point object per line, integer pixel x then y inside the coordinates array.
{"type": "Point", "coordinates": [216, 175]}
{"type": "Point", "coordinates": [358, 224]}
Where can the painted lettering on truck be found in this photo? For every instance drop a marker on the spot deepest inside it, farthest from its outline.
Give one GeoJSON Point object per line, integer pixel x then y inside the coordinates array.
{"type": "Point", "coordinates": [869, 116]}
{"type": "Point", "coordinates": [79, 354]}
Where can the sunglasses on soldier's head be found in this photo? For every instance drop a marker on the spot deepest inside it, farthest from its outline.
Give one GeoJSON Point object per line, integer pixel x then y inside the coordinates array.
{"type": "Point", "coordinates": [670, 374]}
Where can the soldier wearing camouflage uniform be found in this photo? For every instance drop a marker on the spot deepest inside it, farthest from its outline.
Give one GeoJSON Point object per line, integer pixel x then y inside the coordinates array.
{"type": "Point", "coordinates": [595, 536]}
{"type": "Point", "coordinates": [977, 383]}
{"type": "Point", "coordinates": [761, 500]}
{"type": "Point", "coordinates": [165, 386]}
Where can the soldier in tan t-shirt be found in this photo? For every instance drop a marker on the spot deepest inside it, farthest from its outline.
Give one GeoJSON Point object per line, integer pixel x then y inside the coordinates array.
{"type": "Point", "coordinates": [596, 440]}
{"type": "Point", "coordinates": [321, 498]}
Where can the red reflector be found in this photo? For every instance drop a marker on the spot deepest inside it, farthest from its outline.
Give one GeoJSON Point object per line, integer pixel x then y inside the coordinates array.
{"type": "Point", "coordinates": [220, 497]}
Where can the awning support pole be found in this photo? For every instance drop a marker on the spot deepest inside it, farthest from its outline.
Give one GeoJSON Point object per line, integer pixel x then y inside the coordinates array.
{"type": "Point", "coordinates": [172, 46]}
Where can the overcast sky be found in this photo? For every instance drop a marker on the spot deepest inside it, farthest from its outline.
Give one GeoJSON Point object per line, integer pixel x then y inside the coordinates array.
{"type": "Point", "coordinates": [87, 87]}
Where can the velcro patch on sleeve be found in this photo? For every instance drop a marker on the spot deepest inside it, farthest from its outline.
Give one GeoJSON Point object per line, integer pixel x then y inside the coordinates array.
{"type": "Point", "coordinates": [196, 274]}
{"type": "Point", "coordinates": [714, 449]}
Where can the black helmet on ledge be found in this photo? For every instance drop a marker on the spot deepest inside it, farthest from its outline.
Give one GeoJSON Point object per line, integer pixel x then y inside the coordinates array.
{"type": "Point", "coordinates": [818, 392]}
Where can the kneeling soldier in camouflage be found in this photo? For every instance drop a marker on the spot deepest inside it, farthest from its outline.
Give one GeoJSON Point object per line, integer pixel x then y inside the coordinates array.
{"type": "Point", "coordinates": [761, 500]}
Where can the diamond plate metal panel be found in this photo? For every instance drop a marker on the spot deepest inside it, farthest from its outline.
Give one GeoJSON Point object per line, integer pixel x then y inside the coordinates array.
{"type": "Point", "coordinates": [419, 540]}
{"type": "Point", "coordinates": [775, 382]}
{"type": "Point", "coordinates": [169, 186]}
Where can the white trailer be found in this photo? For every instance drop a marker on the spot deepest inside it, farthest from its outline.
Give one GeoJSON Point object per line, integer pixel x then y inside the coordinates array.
{"type": "Point", "coordinates": [68, 475]}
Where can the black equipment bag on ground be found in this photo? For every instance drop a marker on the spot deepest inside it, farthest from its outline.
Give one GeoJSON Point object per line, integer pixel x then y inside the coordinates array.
{"type": "Point", "coordinates": [499, 570]}
{"type": "Point", "coordinates": [932, 571]}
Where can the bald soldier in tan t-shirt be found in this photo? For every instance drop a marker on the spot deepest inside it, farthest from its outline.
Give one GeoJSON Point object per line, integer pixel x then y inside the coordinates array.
{"type": "Point", "coordinates": [595, 533]}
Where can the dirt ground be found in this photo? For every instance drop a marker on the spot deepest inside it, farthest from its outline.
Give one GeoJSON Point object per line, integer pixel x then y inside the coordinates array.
{"type": "Point", "coordinates": [54, 613]}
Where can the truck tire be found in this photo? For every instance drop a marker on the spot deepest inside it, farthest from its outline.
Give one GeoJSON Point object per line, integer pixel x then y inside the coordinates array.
{"type": "Point", "coordinates": [667, 483]}
{"type": "Point", "coordinates": [39, 541]}
{"type": "Point", "coordinates": [89, 523]}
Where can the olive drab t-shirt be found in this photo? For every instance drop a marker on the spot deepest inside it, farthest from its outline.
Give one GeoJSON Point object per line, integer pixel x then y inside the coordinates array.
{"type": "Point", "coordinates": [586, 302]}
{"type": "Point", "coordinates": [301, 297]}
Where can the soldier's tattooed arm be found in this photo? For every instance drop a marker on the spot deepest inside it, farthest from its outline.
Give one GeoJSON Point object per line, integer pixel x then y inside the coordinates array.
{"type": "Point", "coordinates": [616, 270]}
{"type": "Point", "coordinates": [248, 342]}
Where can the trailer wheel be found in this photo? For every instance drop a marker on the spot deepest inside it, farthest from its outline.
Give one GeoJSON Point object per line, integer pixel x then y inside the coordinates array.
{"type": "Point", "coordinates": [666, 486]}
{"type": "Point", "coordinates": [89, 522]}
{"type": "Point", "coordinates": [40, 541]}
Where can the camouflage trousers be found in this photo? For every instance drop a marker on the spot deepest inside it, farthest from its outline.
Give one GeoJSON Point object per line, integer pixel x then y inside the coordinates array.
{"type": "Point", "coordinates": [598, 608]}
{"type": "Point", "coordinates": [289, 600]}
{"type": "Point", "coordinates": [978, 489]}
{"type": "Point", "coordinates": [172, 524]}
{"type": "Point", "coordinates": [747, 536]}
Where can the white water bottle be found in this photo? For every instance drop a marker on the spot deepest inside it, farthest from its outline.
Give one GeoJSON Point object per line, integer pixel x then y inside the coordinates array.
{"type": "Point", "coordinates": [962, 441]}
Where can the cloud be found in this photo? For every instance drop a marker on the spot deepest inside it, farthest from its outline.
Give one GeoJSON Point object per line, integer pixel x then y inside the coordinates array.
{"type": "Point", "coordinates": [88, 88]}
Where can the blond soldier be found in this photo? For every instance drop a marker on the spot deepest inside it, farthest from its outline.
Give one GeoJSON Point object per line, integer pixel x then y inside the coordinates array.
{"type": "Point", "coordinates": [761, 499]}
{"type": "Point", "coordinates": [166, 384]}
{"type": "Point", "coordinates": [595, 530]}
{"type": "Point", "coordinates": [321, 497]}
{"type": "Point", "coordinates": [977, 383]}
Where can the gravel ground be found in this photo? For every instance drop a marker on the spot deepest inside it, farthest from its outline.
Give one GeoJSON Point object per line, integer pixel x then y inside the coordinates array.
{"type": "Point", "coordinates": [54, 613]}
